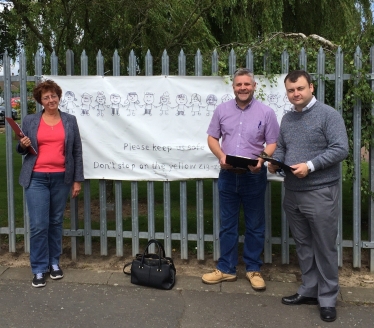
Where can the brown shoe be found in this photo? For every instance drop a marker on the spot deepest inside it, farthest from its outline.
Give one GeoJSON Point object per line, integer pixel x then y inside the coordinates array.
{"type": "Point", "coordinates": [217, 276]}
{"type": "Point", "coordinates": [256, 280]}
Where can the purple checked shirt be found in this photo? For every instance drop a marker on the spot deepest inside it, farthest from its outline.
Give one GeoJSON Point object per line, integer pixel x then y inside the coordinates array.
{"type": "Point", "coordinates": [244, 132]}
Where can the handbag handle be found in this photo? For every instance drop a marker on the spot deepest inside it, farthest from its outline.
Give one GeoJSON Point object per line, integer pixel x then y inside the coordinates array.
{"type": "Point", "coordinates": [125, 266]}
{"type": "Point", "coordinates": [161, 252]}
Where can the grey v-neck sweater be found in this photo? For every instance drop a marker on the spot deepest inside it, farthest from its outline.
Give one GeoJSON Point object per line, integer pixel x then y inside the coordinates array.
{"type": "Point", "coordinates": [317, 134]}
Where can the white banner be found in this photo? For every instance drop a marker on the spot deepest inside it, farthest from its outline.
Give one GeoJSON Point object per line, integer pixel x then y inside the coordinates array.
{"type": "Point", "coordinates": [151, 127]}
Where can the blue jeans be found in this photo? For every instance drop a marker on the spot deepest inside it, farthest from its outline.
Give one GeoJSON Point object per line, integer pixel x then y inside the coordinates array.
{"type": "Point", "coordinates": [46, 199]}
{"type": "Point", "coordinates": [234, 190]}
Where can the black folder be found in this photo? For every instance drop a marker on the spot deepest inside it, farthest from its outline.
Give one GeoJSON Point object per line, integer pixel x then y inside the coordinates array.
{"type": "Point", "coordinates": [240, 161]}
{"type": "Point", "coordinates": [273, 161]}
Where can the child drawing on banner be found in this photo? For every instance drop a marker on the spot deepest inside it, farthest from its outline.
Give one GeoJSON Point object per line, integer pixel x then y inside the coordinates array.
{"type": "Point", "coordinates": [273, 103]}
{"type": "Point", "coordinates": [148, 103]}
{"type": "Point", "coordinates": [86, 104]}
{"type": "Point", "coordinates": [68, 105]}
{"type": "Point", "coordinates": [115, 103]}
{"type": "Point", "coordinates": [287, 105]}
{"type": "Point", "coordinates": [195, 104]}
{"type": "Point", "coordinates": [164, 103]}
{"type": "Point", "coordinates": [211, 102]}
{"type": "Point", "coordinates": [181, 100]}
{"type": "Point", "coordinates": [100, 107]}
{"type": "Point", "coordinates": [226, 97]}
{"type": "Point", "coordinates": [131, 103]}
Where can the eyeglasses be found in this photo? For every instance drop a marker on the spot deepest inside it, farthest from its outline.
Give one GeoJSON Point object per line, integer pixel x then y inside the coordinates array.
{"type": "Point", "coordinates": [52, 97]}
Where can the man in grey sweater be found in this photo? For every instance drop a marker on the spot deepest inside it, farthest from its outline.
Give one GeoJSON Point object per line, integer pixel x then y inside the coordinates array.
{"type": "Point", "coordinates": [313, 141]}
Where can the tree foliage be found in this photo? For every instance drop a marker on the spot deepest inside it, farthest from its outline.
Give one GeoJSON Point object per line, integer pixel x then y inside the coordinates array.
{"type": "Point", "coordinates": [142, 25]}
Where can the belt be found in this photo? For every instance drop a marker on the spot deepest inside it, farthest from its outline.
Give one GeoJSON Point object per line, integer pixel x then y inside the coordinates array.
{"type": "Point", "coordinates": [237, 171]}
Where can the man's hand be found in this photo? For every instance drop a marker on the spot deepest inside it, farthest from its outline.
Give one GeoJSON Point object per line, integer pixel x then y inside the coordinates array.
{"type": "Point", "coordinates": [222, 162]}
{"type": "Point", "coordinates": [301, 170]}
{"type": "Point", "coordinates": [272, 168]}
{"type": "Point", "coordinates": [257, 168]}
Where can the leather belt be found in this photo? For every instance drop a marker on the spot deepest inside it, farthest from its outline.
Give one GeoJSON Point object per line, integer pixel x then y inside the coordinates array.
{"type": "Point", "coordinates": [237, 171]}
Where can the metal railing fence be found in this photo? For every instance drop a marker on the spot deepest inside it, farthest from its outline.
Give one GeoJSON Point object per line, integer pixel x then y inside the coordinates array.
{"type": "Point", "coordinates": [184, 236]}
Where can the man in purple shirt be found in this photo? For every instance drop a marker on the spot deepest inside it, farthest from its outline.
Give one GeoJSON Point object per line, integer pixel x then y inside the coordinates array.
{"type": "Point", "coordinates": [245, 125]}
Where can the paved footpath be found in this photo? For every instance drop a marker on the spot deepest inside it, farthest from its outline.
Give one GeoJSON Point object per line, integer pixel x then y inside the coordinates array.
{"type": "Point", "coordinates": [107, 299]}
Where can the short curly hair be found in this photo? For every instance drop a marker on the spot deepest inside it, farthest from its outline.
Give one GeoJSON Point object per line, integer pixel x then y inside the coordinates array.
{"type": "Point", "coordinates": [45, 86]}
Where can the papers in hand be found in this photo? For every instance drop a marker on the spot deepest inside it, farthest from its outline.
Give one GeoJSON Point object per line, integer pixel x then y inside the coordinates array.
{"type": "Point", "coordinates": [273, 161]}
{"type": "Point", "coordinates": [240, 161]}
{"type": "Point", "coordinates": [19, 133]}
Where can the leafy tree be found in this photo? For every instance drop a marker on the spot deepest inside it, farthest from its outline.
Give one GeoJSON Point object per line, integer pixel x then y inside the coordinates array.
{"type": "Point", "coordinates": [139, 25]}
{"type": "Point", "coordinates": [7, 41]}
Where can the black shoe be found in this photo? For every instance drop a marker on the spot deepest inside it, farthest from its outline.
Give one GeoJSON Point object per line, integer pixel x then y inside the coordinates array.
{"type": "Point", "coordinates": [38, 280]}
{"type": "Point", "coordinates": [55, 272]}
{"type": "Point", "coordinates": [328, 314]}
{"type": "Point", "coordinates": [298, 299]}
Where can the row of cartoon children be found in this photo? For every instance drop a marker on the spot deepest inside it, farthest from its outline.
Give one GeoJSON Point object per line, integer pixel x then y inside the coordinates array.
{"type": "Point", "coordinates": [132, 104]}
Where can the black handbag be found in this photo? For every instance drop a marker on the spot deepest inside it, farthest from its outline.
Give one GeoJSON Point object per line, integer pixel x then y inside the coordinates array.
{"type": "Point", "coordinates": [152, 269]}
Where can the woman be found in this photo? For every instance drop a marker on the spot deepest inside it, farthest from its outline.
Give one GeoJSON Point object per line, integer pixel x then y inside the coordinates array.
{"type": "Point", "coordinates": [48, 177]}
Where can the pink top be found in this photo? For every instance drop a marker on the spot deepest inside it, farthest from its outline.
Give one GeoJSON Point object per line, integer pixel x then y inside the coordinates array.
{"type": "Point", "coordinates": [51, 148]}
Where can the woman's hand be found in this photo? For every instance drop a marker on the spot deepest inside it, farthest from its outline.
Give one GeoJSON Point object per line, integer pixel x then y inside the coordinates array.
{"type": "Point", "coordinates": [75, 190]}
{"type": "Point", "coordinates": [25, 142]}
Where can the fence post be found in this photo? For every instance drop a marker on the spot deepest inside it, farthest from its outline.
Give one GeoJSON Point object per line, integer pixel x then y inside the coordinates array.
{"type": "Point", "coordinates": [371, 173]}
{"type": "Point", "coordinates": [24, 110]}
{"type": "Point", "coordinates": [118, 184]}
{"type": "Point", "coordinates": [215, 63]}
{"type": "Point", "coordinates": [105, 186]}
{"type": "Point", "coordinates": [54, 63]}
{"type": "Point", "coordinates": [339, 63]}
{"type": "Point", "coordinates": [70, 62]}
{"type": "Point", "coordinates": [9, 154]}
{"type": "Point", "coordinates": [357, 115]}
{"type": "Point", "coordinates": [249, 59]}
{"type": "Point", "coordinates": [303, 60]}
{"type": "Point", "coordinates": [200, 219]}
{"type": "Point", "coordinates": [285, 62]}
{"type": "Point", "coordinates": [167, 218]}
{"type": "Point", "coordinates": [134, 184]}
{"type": "Point", "coordinates": [87, 183]}
{"type": "Point", "coordinates": [216, 215]}
{"type": "Point", "coordinates": [151, 212]}
{"type": "Point", "coordinates": [183, 184]}
{"type": "Point", "coordinates": [182, 63]}
{"type": "Point", "coordinates": [198, 63]}
{"type": "Point", "coordinates": [232, 62]}
{"type": "Point", "coordinates": [134, 218]}
{"type": "Point", "coordinates": [199, 184]}
{"type": "Point", "coordinates": [165, 63]}
{"type": "Point", "coordinates": [285, 228]}
{"type": "Point", "coordinates": [38, 74]}
{"type": "Point", "coordinates": [116, 63]}
{"type": "Point", "coordinates": [267, 62]}
{"type": "Point", "coordinates": [148, 64]}
{"type": "Point", "coordinates": [132, 63]}
{"type": "Point", "coordinates": [321, 75]}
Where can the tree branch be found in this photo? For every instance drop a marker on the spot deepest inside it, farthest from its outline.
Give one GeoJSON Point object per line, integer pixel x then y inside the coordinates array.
{"type": "Point", "coordinates": [185, 29]}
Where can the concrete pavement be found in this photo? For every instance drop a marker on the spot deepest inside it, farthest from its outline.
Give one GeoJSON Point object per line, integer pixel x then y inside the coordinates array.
{"type": "Point", "coordinates": [86, 298]}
